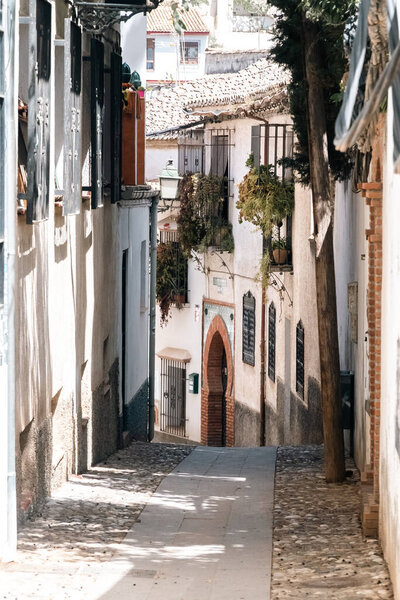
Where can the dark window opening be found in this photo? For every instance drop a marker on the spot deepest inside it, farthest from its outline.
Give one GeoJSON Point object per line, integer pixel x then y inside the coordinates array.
{"type": "Point", "coordinates": [43, 28]}
{"type": "Point", "coordinates": [190, 52]}
{"type": "Point", "coordinates": [179, 270]}
{"type": "Point", "coordinates": [272, 144]}
{"type": "Point", "coordinates": [173, 397]}
{"type": "Point", "coordinates": [248, 329]}
{"type": "Point", "coordinates": [300, 360]}
{"type": "Point", "coordinates": [76, 58]}
{"type": "Point", "coordinates": [271, 341]}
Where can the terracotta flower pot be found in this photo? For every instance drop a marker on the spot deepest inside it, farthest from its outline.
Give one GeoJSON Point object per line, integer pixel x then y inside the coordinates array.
{"type": "Point", "coordinates": [280, 256]}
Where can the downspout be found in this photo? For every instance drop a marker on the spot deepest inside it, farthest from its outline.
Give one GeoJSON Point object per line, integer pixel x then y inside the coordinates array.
{"type": "Point", "coordinates": [152, 333]}
{"type": "Point", "coordinates": [262, 370]}
{"type": "Point", "coordinates": [10, 231]}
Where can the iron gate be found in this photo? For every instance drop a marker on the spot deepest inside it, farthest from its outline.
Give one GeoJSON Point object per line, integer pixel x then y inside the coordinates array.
{"type": "Point", "coordinates": [173, 397]}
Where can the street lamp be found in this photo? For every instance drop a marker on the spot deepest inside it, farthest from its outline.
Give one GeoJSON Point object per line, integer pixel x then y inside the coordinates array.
{"type": "Point", "coordinates": [169, 181]}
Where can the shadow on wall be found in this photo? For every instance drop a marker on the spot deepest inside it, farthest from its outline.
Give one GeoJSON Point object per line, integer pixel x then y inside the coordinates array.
{"type": "Point", "coordinates": [304, 421]}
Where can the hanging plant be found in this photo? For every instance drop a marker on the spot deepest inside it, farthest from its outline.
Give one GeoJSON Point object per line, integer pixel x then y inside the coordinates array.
{"type": "Point", "coordinates": [201, 222]}
{"type": "Point", "coordinates": [170, 271]}
{"type": "Point", "coordinates": [264, 199]}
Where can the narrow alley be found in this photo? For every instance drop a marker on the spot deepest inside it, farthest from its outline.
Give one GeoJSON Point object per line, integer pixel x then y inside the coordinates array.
{"type": "Point", "coordinates": [210, 529]}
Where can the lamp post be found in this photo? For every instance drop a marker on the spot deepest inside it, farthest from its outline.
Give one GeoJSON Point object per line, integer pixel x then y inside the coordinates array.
{"type": "Point", "coordinates": [169, 180]}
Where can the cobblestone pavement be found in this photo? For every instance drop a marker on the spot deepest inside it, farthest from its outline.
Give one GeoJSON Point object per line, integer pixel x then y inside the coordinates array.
{"type": "Point", "coordinates": [85, 520]}
{"type": "Point", "coordinates": [318, 550]}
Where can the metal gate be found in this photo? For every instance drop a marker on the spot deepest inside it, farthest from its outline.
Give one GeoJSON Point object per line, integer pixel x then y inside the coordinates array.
{"type": "Point", "coordinates": [173, 397]}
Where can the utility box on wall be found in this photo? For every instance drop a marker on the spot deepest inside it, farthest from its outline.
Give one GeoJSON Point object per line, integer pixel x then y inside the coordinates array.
{"type": "Point", "coordinates": [193, 383]}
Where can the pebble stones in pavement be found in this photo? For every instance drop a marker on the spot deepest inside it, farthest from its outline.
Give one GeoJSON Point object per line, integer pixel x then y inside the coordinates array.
{"type": "Point", "coordinates": [319, 550]}
{"type": "Point", "coordinates": [92, 512]}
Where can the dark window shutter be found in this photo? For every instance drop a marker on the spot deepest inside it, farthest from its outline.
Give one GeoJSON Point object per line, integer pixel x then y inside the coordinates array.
{"type": "Point", "coordinates": [97, 103]}
{"type": "Point", "coordinates": [300, 359]}
{"type": "Point", "coordinates": [248, 329]}
{"type": "Point", "coordinates": [271, 340]}
{"type": "Point", "coordinates": [38, 167]}
{"type": "Point", "coordinates": [72, 118]}
{"type": "Point", "coordinates": [255, 143]}
{"type": "Point", "coordinates": [116, 125]}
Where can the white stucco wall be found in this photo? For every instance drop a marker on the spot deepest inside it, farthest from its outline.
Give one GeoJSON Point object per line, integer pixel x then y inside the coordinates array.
{"type": "Point", "coordinates": [167, 63]}
{"type": "Point", "coordinates": [133, 43]}
{"type": "Point", "coordinates": [157, 156]}
{"type": "Point", "coordinates": [351, 265]}
{"type": "Point", "coordinates": [389, 526]}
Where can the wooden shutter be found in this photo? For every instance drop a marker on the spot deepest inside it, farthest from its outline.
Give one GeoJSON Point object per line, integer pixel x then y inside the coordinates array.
{"type": "Point", "coordinates": [271, 340]}
{"type": "Point", "coordinates": [39, 111]}
{"type": "Point", "coordinates": [96, 118]}
{"type": "Point", "coordinates": [116, 124]}
{"type": "Point", "coordinates": [255, 143]}
{"type": "Point", "coordinates": [248, 329]}
{"type": "Point", "coordinates": [300, 359]}
{"type": "Point", "coordinates": [72, 118]}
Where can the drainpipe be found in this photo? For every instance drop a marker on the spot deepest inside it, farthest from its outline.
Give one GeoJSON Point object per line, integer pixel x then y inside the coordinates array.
{"type": "Point", "coordinates": [262, 370]}
{"type": "Point", "coordinates": [10, 232]}
{"type": "Point", "coordinates": [152, 333]}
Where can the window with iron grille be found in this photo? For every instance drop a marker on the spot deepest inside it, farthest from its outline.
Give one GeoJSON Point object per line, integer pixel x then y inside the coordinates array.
{"type": "Point", "coordinates": [271, 340]}
{"type": "Point", "coordinates": [179, 271]}
{"type": "Point", "coordinates": [300, 359]}
{"type": "Point", "coordinates": [191, 152]}
{"type": "Point", "coordinates": [248, 329]}
{"type": "Point", "coordinates": [189, 52]}
{"type": "Point", "coordinates": [173, 397]}
{"type": "Point", "coordinates": [272, 144]}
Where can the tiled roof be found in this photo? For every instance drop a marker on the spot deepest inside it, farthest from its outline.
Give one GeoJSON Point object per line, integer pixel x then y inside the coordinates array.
{"type": "Point", "coordinates": [261, 86]}
{"type": "Point", "coordinates": [160, 20]}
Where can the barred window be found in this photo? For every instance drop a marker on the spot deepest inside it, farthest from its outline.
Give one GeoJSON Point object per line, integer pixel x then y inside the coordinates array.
{"type": "Point", "coordinates": [300, 359]}
{"type": "Point", "coordinates": [271, 341]}
{"type": "Point", "coordinates": [248, 329]}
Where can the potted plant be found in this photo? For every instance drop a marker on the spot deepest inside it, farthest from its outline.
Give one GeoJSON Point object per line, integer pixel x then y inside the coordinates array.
{"type": "Point", "coordinates": [279, 250]}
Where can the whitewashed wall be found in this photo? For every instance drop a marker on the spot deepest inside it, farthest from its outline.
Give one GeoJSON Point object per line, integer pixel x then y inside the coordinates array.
{"type": "Point", "coordinates": [389, 526]}
{"type": "Point", "coordinates": [133, 43]}
{"type": "Point", "coordinates": [167, 65]}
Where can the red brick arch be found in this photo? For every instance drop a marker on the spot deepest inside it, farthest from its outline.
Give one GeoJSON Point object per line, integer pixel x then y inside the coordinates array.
{"type": "Point", "coordinates": [211, 394]}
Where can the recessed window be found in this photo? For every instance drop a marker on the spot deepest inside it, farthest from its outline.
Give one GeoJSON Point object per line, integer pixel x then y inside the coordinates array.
{"type": "Point", "coordinates": [190, 52]}
{"type": "Point", "coordinates": [248, 332]}
{"type": "Point", "coordinates": [271, 341]}
{"type": "Point", "coordinates": [300, 359]}
{"type": "Point", "coordinates": [150, 47]}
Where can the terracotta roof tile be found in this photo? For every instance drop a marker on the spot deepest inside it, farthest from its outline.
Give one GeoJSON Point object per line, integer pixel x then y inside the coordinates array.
{"type": "Point", "coordinates": [257, 85]}
{"type": "Point", "coordinates": [160, 20]}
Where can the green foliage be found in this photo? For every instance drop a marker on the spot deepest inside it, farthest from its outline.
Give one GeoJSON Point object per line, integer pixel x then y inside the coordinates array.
{"type": "Point", "coordinates": [178, 6]}
{"type": "Point", "coordinates": [331, 17]}
{"type": "Point", "coordinates": [169, 271]}
{"type": "Point", "coordinates": [279, 243]}
{"type": "Point", "coordinates": [264, 200]}
{"type": "Point", "coordinates": [200, 223]}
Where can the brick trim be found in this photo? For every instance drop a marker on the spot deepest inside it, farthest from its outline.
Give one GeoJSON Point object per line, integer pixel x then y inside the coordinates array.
{"type": "Point", "coordinates": [211, 394]}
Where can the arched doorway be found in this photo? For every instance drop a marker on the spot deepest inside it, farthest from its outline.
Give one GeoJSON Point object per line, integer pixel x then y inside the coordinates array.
{"type": "Point", "coordinates": [217, 405]}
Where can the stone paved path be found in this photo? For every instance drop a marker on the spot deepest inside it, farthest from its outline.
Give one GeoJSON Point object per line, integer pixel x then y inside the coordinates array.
{"type": "Point", "coordinates": [319, 551]}
{"type": "Point", "coordinates": [83, 524]}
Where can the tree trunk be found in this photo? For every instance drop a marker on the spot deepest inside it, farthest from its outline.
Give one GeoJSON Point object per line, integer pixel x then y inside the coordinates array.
{"type": "Point", "coordinates": [324, 263]}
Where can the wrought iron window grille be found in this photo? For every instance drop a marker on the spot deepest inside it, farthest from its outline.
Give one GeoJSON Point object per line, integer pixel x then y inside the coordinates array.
{"type": "Point", "coordinates": [248, 329]}
{"type": "Point", "coordinates": [271, 340]}
{"type": "Point", "coordinates": [300, 360]}
{"type": "Point", "coordinates": [173, 397]}
{"type": "Point", "coordinates": [179, 281]}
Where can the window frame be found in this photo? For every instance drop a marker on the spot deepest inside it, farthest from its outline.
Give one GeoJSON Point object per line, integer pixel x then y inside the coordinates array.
{"type": "Point", "coordinates": [300, 359]}
{"type": "Point", "coordinates": [186, 45]}
{"type": "Point", "coordinates": [271, 341]}
{"type": "Point", "coordinates": [150, 45]}
{"type": "Point", "coordinates": [248, 324]}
